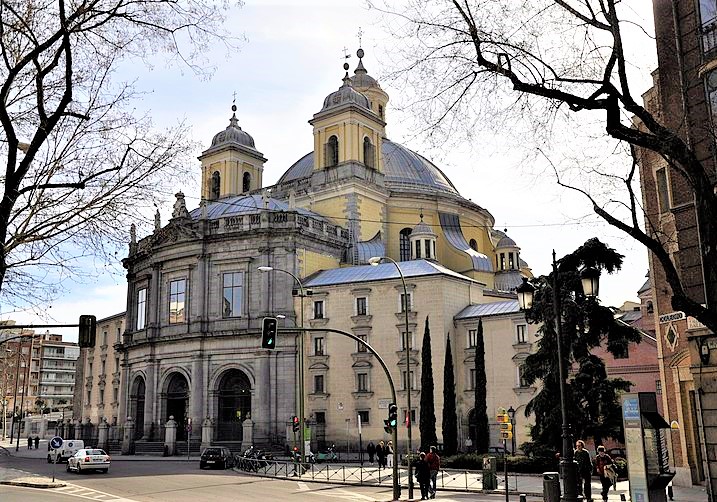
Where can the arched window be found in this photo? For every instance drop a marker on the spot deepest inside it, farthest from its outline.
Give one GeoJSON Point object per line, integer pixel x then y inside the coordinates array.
{"type": "Point", "coordinates": [368, 153]}
{"type": "Point", "coordinates": [246, 183]}
{"type": "Point", "coordinates": [473, 244]}
{"type": "Point", "coordinates": [216, 183]}
{"type": "Point", "coordinates": [404, 245]}
{"type": "Point", "coordinates": [650, 307]}
{"type": "Point", "coordinates": [332, 152]}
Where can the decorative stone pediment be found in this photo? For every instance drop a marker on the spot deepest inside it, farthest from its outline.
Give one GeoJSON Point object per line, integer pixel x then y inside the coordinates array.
{"type": "Point", "coordinates": [173, 233]}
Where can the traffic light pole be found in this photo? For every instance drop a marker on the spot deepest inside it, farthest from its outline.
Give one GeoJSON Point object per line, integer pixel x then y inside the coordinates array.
{"type": "Point", "coordinates": [396, 484]}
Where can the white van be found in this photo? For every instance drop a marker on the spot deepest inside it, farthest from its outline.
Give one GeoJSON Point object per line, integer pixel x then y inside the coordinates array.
{"type": "Point", "coordinates": [69, 448]}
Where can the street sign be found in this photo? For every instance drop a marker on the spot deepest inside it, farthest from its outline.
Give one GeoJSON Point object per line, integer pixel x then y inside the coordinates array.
{"type": "Point", "coordinates": [56, 442]}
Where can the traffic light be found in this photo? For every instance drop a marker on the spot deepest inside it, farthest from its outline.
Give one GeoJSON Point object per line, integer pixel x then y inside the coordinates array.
{"type": "Point", "coordinates": [295, 423]}
{"type": "Point", "coordinates": [502, 417]}
{"type": "Point", "coordinates": [88, 331]}
{"type": "Point", "coordinates": [506, 431]}
{"type": "Point", "coordinates": [387, 426]}
{"type": "Point", "coordinates": [393, 415]}
{"type": "Point", "coordinates": [268, 333]}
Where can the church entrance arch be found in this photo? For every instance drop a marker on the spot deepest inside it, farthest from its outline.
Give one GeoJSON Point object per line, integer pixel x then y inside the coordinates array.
{"type": "Point", "coordinates": [136, 399]}
{"type": "Point", "coordinates": [234, 393]}
{"type": "Point", "coordinates": [177, 402]}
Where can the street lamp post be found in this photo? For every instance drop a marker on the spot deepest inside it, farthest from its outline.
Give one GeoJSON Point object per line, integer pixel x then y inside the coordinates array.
{"type": "Point", "coordinates": [589, 278]}
{"type": "Point", "coordinates": [300, 362]}
{"type": "Point", "coordinates": [511, 415]}
{"type": "Point", "coordinates": [405, 305]}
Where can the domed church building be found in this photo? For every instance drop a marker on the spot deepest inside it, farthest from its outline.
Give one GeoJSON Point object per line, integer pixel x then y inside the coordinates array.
{"type": "Point", "coordinates": [197, 296]}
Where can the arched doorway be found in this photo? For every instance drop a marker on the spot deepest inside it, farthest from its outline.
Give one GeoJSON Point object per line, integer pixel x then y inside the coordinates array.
{"type": "Point", "coordinates": [137, 406]}
{"type": "Point", "coordinates": [177, 400]}
{"type": "Point", "coordinates": [234, 405]}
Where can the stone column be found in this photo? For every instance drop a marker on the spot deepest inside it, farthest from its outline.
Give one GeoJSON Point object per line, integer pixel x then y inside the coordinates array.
{"type": "Point", "coordinates": [248, 434]}
{"type": "Point", "coordinates": [103, 434]}
{"type": "Point", "coordinates": [206, 433]}
{"type": "Point", "coordinates": [150, 395]}
{"type": "Point", "coordinates": [170, 436]}
{"type": "Point", "coordinates": [128, 437]}
{"type": "Point", "coordinates": [196, 398]}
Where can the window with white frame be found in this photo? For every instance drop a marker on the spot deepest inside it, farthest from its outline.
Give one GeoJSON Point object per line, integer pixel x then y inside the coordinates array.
{"type": "Point", "coordinates": [177, 298]}
{"type": "Point", "coordinates": [232, 294]}
{"type": "Point", "coordinates": [319, 309]}
{"type": "Point", "coordinates": [403, 380]}
{"type": "Point", "coordinates": [472, 338]}
{"type": "Point", "coordinates": [141, 308]}
{"type": "Point", "coordinates": [403, 302]}
{"type": "Point", "coordinates": [411, 340]}
{"type": "Point", "coordinates": [319, 384]}
{"type": "Point", "coordinates": [319, 346]}
{"type": "Point", "coordinates": [361, 305]}
{"type": "Point", "coordinates": [360, 347]}
{"type": "Point", "coordinates": [521, 332]}
{"type": "Point", "coordinates": [362, 382]}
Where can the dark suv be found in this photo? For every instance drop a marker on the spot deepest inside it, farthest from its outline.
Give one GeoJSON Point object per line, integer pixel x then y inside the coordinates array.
{"type": "Point", "coordinates": [216, 457]}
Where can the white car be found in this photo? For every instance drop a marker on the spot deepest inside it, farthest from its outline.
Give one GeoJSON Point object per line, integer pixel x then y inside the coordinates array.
{"type": "Point", "coordinates": [89, 459]}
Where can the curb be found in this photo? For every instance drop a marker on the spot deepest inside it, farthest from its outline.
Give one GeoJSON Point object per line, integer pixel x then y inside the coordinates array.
{"type": "Point", "coordinates": [30, 484]}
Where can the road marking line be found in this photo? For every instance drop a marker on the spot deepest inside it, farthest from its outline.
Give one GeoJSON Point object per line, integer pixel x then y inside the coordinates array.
{"type": "Point", "coordinates": [302, 486]}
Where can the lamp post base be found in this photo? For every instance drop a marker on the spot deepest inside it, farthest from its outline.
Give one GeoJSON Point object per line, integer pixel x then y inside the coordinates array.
{"type": "Point", "coordinates": [569, 475]}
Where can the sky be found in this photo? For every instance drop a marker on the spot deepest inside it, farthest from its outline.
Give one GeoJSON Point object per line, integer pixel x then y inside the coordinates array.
{"type": "Point", "coordinates": [290, 57]}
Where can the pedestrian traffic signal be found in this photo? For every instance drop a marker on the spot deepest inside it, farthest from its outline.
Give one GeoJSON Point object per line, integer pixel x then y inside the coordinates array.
{"type": "Point", "coordinates": [268, 333]}
{"type": "Point", "coordinates": [295, 423]}
{"type": "Point", "coordinates": [88, 331]}
{"type": "Point", "coordinates": [393, 415]}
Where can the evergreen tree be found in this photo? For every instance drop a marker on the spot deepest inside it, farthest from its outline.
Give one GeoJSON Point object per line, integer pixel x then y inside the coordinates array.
{"type": "Point", "coordinates": [480, 409]}
{"type": "Point", "coordinates": [450, 420]}
{"type": "Point", "coordinates": [592, 398]}
{"type": "Point", "coordinates": [427, 424]}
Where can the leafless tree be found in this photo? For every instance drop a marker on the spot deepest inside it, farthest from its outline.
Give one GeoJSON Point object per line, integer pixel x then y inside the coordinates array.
{"type": "Point", "coordinates": [80, 163]}
{"type": "Point", "coordinates": [552, 63]}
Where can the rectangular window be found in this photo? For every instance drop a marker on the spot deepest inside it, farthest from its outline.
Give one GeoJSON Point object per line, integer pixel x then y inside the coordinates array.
{"type": "Point", "coordinates": [406, 302]}
{"type": "Point", "coordinates": [472, 379]}
{"type": "Point", "coordinates": [362, 382]}
{"type": "Point", "coordinates": [119, 335]}
{"type": "Point", "coordinates": [403, 380]}
{"type": "Point", "coordinates": [418, 249]}
{"type": "Point", "coordinates": [413, 417]}
{"type": "Point", "coordinates": [319, 346]}
{"type": "Point", "coordinates": [411, 341]}
{"type": "Point", "coordinates": [115, 394]}
{"type": "Point", "coordinates": [360, 347]}
{"type": "Point", "coordinates": [472, 338]}
{"type": "Point", "coordinates": [361, 306]}
{"type": "Point", "coordinates": [177, 293]}
{"type": "Point", "coordinates": [320, 417]}
{"type": "Point", "coordinates": [522, 382]}
{"type": "Point", "coordinates": [622, 354]}
{"type": "Point", "coordinates": [319, 384]}
{"type": "Point", "coordinates": [663, 193]}
{"type": "Point", "coordinates": [117, 365]}
{"type": "Point", "coordinates": [363, 416]}
{"type": "Point", "coordinates": [231, 294]}
{"type": "Point", "coordinates": [502, 261]}
{"type": "Point", "coordinates": [427, 248]}
{"type": "Point", "coordinates": [102, 395]}
{"type": "Point", "coordinates": [104, 338]}
{"type": "Point", "coordinates": [520, 331]}
{"type": "Point", "coordinates": [319, 309]}
{"type": "Point", "coordinates": [103, 367]}
{"type": "Point", "coordinates": [90, 367]}
{"type": "Point", "coordinates": [708, 11]}
{"type": "Point", "coordinates": [511, 263]}
{"type": "Point", "coordinates": [141, 308]}
{"type": "Point", "coordinates": [89, 396]}
{"type": "Point", "coordinates": [658, 386]}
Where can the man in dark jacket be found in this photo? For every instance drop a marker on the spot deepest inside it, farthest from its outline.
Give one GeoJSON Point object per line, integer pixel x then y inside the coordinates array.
{"type": "Point", "coordinates": [434, 464]}
{"type": "Point", "coordinates": [371, 450]}
{"type": "Point", "coordinates": [423, 475]}
{"type": "Point", "coordinates": [585, 470]}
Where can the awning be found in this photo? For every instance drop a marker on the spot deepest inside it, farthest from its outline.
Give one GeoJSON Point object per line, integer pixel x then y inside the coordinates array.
{"type": "Point", "coordinates": [655, 419]}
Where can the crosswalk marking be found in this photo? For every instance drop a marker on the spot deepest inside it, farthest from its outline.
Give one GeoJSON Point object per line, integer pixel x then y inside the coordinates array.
{"type": "Point", "coordinates": [91, 494]}
{"type": "Point", "coordinates": [302, 486]}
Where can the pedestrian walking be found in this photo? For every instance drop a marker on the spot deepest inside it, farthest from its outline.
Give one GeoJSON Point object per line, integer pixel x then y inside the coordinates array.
{"type": "Point", "coordinates": [381, 454]}
{"type": "Point", "coordinates": [371, 450]}
{"type": "Point", "coordinates": [423, 475]}
{"type": "Point", "coordinates": [29, 443]}
{"type": "Point", "coordinates": [434, 464]}
{"type": "Point", "coordinates": [37, 442]}
{"type": "Point", "coordinates": [602, 460]}
{"type": "Point", "coordinates": [585, 470]}
{"type": "Point", "coordinates": [389, 454]}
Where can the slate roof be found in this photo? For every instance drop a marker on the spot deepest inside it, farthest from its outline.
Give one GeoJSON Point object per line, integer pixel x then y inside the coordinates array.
{"type": "Point", "coordinates": [383, 271]}
{"type": "Point", "coordinates": [488, 309]}
{"type": "Point", "coordinates": [451, 225]}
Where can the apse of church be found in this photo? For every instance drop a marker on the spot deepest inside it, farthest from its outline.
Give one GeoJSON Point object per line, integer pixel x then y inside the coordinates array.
{"type": "Point", "coordinates": [191, 348]}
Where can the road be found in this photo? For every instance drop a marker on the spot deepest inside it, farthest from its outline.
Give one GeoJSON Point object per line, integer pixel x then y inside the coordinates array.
{"type": "Point", "coordinates": [178, 481]}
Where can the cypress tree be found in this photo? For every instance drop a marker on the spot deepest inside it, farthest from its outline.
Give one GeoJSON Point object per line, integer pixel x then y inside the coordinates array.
{"type": "Point", "coordinates": [480, 409]}
{"type": "Point", "coordinates": [427, 424]}
{"type": "Point", "coordinates": [450, 420]}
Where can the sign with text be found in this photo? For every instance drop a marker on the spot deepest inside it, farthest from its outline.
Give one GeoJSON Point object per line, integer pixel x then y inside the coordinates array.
{"type": "Point", "coordinates": [672, 316]}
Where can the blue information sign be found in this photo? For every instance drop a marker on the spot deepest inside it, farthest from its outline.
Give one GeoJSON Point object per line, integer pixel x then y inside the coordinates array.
{"type": "Point", "coordinates": [56, 442]}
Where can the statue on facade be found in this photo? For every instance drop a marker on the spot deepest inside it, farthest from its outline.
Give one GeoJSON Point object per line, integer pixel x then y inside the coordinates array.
{"type": "Point", "coordinates": [180, 207]}
{"type": "Point", "coordinates": [157, 221]}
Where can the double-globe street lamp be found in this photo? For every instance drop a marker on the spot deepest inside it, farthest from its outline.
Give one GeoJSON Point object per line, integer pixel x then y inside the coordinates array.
{"type": "Point", "coordinates": [300, 362]}
{"type": "Point", "coordinates": [405, 305]}
{"type": "Point", "coordinates": [590, 281]}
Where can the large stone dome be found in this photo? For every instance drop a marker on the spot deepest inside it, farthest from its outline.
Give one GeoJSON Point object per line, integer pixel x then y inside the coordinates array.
{"type": "Point", "coordinates": [404, 170]}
